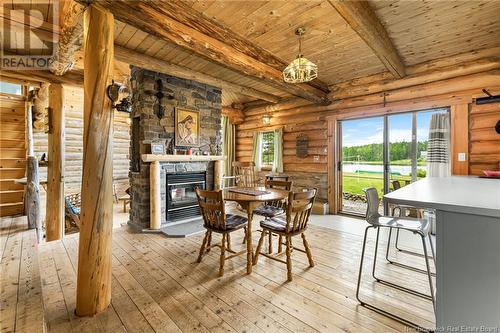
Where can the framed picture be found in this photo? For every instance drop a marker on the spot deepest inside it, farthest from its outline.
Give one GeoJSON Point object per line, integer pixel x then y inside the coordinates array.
{"type": "Point", "coordinates": [157, 148]}
{"type": "Point", "coordinates": [187, 128]}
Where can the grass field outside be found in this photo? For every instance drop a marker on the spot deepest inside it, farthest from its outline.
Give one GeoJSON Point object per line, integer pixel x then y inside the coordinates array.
{"type": "Point", "coordinates": [355, 182]}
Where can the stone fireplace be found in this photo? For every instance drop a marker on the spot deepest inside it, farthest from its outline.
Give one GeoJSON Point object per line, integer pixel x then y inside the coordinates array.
{"type": "Point", "coordinates": [178, 176]}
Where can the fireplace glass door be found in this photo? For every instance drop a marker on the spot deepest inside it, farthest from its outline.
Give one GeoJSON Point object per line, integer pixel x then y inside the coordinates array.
{"type": "Point", "coordinates": [182, 202]}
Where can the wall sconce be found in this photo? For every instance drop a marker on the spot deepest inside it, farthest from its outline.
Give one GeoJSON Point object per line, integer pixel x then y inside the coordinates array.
{"type": "Point", "coordinates": [120, 92]}
{"type": "Point", "coordinates": [266, 119]}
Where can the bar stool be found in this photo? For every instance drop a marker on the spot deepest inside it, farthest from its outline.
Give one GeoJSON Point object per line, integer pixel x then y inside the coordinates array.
{"type": "Point", "coordinates": [417, 226]}
{"type": "Point", "coordinates": [402, 209]}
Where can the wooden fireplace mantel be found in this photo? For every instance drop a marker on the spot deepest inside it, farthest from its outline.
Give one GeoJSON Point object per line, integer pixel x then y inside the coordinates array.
{"type": "Point", "coordinates": [180, 158]}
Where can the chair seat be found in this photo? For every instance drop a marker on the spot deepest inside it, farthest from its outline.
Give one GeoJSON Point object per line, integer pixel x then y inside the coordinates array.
{"type": "Point", "coordinates": [410, 224]}
{"type": "Point", "coordinates": [234, 222]}
{"type": "Point", "coordinates": [274, 224]}
{"type": "Point", "coordinates": [268, 211]}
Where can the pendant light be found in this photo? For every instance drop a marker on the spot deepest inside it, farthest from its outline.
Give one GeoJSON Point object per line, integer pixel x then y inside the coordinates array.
{"type": "Point", "coordinates": [301, 69]}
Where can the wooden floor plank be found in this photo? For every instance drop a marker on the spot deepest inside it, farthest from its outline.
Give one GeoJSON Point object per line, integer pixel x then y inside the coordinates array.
{"type": "Point", "coordinates": [128, 312]}
{"type": "Point", "coordinates": [223, 309]}
{"type": "Point", "coordinates": [152, 312]}
{"type": "Point", "coordinates": [108, 320]}
{"type": "Point", "coordinates": [57, 317]}
{"type": "Point", "coordinates": [30, 316]}
{"type": "Point", "coordinates": [157, 286]}
{"type": "Point", "coordinates": [9, 279]}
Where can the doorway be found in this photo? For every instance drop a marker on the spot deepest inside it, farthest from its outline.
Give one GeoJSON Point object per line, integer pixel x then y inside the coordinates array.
{"type": "Point", "coordinates": [381, 152]}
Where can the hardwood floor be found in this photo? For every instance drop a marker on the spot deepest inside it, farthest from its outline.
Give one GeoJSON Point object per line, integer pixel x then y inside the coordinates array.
{"type": "Point", "coordinates": [158, 287]}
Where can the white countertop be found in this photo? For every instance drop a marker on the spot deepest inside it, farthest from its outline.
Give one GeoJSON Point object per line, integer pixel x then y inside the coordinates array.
{"type": "Point", "coordinates": [461, 194]}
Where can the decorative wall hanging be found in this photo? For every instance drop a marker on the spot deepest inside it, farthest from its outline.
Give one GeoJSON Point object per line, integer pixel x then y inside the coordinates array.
{"type": "Point", "coordinates": [301, 69]}
{"type": "Point", "coordinates": [187, 128]}
{"type": "Point", "coordinates": [159, 110]}
{"type": "Point", "coordinates": [302, 146]}
{"type": "Point", "coordinates": [266, 119]}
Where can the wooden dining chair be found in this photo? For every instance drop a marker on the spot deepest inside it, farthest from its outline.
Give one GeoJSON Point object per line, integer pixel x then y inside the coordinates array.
{"type": "Point", "coordinates": [245, 174]}
{"type": "Point", "coordinates": [274, 208]}
{"type": "Point", "coordinates": [216, 220]}
{"type": "Point", "coordinates": [298, 210]}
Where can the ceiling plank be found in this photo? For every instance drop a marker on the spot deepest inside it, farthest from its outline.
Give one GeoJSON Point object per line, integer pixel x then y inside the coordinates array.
{"type": "Point", "coordinates": [153, 64]}
{"type": "Point", "coordinates": [154, 18]}
{"type": "Point", "coordinates": [185, 14]}
{"type": "Point", "coordinates": [362, 19]}
{"type": "Point", "coordinates": [70, 37]}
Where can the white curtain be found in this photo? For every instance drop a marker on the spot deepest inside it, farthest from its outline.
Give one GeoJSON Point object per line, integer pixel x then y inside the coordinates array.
{"type": "Point", "coordinates": [438, 153]}
{"type": "Point", "coordinates": [438, 147]}
{"type": "Point", "coordinates": [278, 150]}
{"type": "Point", "coordinates": [257, 150]}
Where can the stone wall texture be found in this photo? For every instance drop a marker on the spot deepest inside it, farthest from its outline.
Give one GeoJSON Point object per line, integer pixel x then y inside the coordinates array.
{"type": "Point", "coordinates": [177, 93]}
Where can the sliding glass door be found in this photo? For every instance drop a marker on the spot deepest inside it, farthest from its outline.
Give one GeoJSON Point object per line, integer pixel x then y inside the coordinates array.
{"type": "Point", "coordinates": [362, 162]}
{"type": "Point", "coordinates": [385, 152]}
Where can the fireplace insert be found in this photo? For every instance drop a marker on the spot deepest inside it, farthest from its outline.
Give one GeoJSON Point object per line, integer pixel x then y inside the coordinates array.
{"type": "Point", "coordinates": [182, 202]}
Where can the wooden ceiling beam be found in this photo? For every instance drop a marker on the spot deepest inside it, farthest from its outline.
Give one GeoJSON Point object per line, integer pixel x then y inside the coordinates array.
{"type": "Point", "coordinates": [154, 18]}
{"type": "Point", "coordinates": [431, 71]}
{"type": "Point", "coordinates": [362, 19]}
{"type": "Point", "coordinates": [144, 61]}
{"type": "Point", "coordinates": [70, 37]}
{"type": "Point", "coordinates": [74, 78]}
{"type": "Point", "coordinates": [185, 14]}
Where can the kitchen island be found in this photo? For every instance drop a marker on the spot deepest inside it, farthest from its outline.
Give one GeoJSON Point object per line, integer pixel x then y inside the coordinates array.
{"type": "Point", "coordinates": [467, 248]}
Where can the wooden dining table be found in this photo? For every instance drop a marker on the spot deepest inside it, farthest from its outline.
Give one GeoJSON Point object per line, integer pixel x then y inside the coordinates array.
{"type": "Point", "coordinates": [250, 202]}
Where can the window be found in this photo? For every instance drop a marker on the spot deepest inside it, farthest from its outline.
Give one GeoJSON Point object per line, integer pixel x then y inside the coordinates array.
{"type": "Point", "coordinates": [267, 149]}
{"type": "Point", "coordinates": [10, 88]}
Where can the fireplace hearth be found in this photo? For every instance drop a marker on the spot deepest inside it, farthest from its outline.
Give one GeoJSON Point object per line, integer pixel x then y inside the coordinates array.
{"type": "Point", "coordinates": [181, 200]}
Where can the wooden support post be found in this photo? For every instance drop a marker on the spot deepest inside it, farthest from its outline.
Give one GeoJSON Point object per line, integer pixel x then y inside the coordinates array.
{"type": "Point", "coordinates": [54, 222]}
{"type": "Point", "coordinates": [93, 293]}
{"type": "Point", "coordinates": [218, 171]}
{"type": "Point", "coordinates": [155, 195]}
{"type": "Point", "coordinates": [33, 196]}
{"type": "Point", "coordinates": [459, 119]}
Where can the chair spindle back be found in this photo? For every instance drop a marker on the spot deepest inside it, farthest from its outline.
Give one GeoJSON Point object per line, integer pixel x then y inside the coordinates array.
{"type": "Point", "coordinates": [245, 174]}
{"type": "Point", "coordinates": [396, 185]}
{"type": "Point", "coordinates": [280, 185]}
{"type": "Point", "coordinates": [212, 209]}
{"type": "Point", "coordinates": [298, 210]}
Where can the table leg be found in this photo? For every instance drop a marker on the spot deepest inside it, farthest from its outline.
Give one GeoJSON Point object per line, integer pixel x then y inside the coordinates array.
{"type": "Point", "coordinates": [250, 208]}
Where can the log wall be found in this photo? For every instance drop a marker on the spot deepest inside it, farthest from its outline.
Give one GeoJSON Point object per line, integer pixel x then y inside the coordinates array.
{"type": "Point", "coordinates": [303, 171]}
{"type": "Point", "coordinates": [73, 108]}
{"type": "Point", "coordinates": [484, 141]}
{"type": "Point", "coordinates": [297, 117]}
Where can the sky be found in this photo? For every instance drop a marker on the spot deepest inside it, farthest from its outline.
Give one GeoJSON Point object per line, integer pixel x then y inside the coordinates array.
{"type": "Point", "coordinates": [360, 132]}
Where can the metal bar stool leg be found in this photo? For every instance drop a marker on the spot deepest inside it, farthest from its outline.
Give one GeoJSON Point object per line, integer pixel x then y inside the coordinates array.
{"type": "Point", "coordinates": [393, 262]}
{"type": "Point", "coordinates": [391, 284]}
{"type": "Point", "coordinates": [377, 309]}
{"type": "Point", "coordinates": [431, 286]}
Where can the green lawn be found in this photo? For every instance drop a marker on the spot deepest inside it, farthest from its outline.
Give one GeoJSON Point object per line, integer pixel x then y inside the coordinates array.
{"type": "Point", "coordinates": [356, 182]}
{"type": "Point", "coordinates": [398, 162]}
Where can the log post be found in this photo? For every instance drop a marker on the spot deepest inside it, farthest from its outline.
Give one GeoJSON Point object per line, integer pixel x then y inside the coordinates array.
{"type": "Point", "coordinates": [54, 222]}
{"type": "Point", "coordinates": [155, 195]}
{"type": "Point", "coordinates": [33, 196]}
{"type": "Point", "coordinates": [93, 292]}
{"type": "Point", "coordinates": [218, 171]}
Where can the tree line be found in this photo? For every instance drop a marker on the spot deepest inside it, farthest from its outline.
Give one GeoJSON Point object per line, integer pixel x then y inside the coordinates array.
{"type": "Point", "coordinates": [374, 152]}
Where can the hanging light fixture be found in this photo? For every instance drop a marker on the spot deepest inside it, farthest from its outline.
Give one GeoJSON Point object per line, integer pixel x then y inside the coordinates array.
{"type": "Point", "coordinates": [301, 69]}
